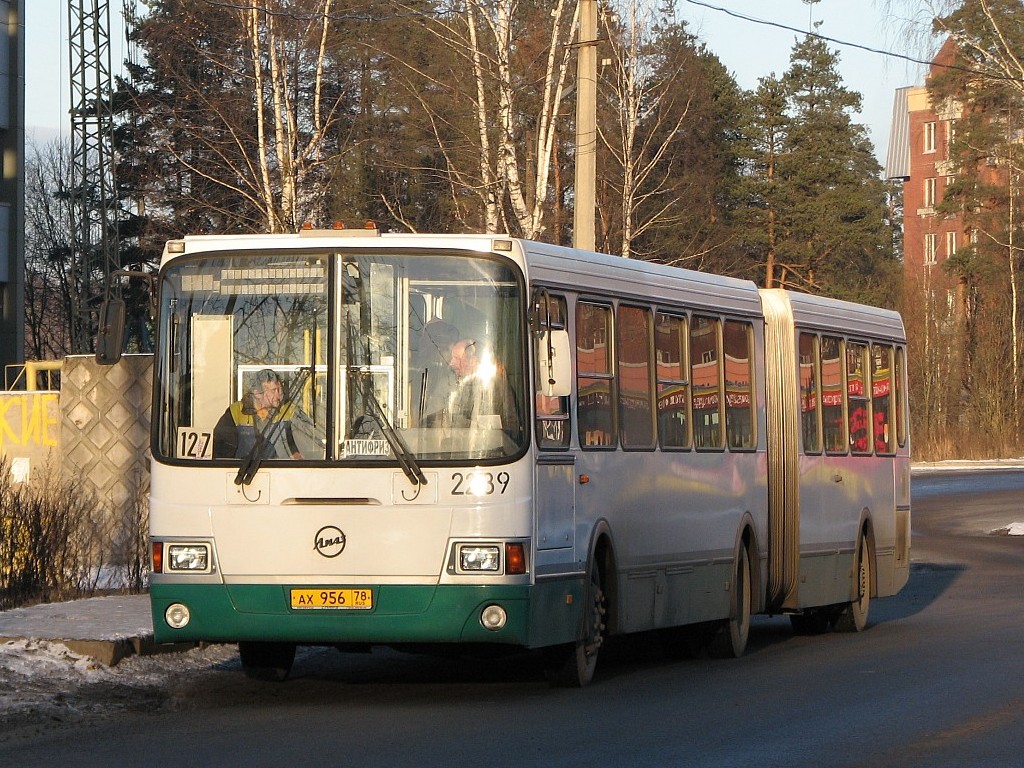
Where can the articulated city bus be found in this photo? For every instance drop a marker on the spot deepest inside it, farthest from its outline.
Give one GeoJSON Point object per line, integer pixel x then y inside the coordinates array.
{"type": "Point", "coordinates": [363, 439]}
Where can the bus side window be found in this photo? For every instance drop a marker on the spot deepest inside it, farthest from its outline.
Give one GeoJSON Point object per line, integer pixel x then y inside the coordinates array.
{"type": "Point", "coordinates": [833, 395]}
{"type": "Point", "coordinates": [859, 398]}
{"type": "Point", "coordinates": [595, 382]}
{"type": "Point", "coordinates": [673, 369]}
{"type": "Point", "coordinates": [706, 380]}
{"type": "Point", "coordinates": [552, 422]}
{"type": "Point", "coordinates": [636, 412]}
{"type": "Point", "coordinates": [901, 397]}
{"type": "Point", "coordinates": [810, 393]}
{"type": "Point", "coordinates": [737, 343]}
{"type": "Point", "coordinates": [882, 389]}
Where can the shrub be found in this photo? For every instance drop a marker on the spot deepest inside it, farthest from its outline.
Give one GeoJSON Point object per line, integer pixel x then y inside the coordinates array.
{"type": "Point", "coordinates": [58, 543]}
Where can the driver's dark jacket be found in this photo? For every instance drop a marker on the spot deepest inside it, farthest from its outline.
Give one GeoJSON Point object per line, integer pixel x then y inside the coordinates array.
{"type": "Point", "coordinates": [236, 432]}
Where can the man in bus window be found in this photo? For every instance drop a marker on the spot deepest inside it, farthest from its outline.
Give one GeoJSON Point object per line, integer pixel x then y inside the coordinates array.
{"type": "Point", "coordinates": [258, 416]}
{"type": "Point", "coordinates": [482, 388]}
{"type": "Point", "coordinates": [433, 378]}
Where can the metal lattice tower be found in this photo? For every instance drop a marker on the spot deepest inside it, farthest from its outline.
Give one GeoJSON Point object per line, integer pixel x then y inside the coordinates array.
{"type": "Point", "coordinates": [92, 192]}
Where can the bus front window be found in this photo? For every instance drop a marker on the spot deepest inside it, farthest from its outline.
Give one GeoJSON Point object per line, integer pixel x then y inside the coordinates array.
{"type": "Point", "coordinates": [240, 340]}
{"type": "Point", "coordinates": [431, 347]}
{"type": "Point", "coordinates": [344, 358]}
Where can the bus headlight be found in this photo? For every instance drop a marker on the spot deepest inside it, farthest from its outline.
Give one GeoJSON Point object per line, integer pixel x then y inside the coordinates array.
{"type": "Point", "coordinates": [187, 557]}
{"type": "Point", "coordinates": [476, 557]}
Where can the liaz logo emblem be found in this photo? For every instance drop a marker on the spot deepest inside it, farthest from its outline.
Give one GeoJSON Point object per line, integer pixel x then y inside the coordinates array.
{"type": "Point", "coordinates": [329, 541]}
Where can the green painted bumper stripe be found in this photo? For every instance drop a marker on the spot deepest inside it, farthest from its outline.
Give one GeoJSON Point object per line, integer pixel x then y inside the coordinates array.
{"type": "Point", "coordinates": [537, 615]}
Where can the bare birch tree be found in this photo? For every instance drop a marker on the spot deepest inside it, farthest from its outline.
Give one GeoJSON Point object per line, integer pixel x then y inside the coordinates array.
{"type": "Point", "coordinates": [258, 77]}
{"type": "Point", "coordinates": [645, 125]}
{"type": "Point", "coordinates": [512, 101]}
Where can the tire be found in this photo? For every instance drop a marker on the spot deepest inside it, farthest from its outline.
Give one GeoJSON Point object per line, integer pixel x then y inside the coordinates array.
{"type": "Point", "coordinates": [266, 661]}
{"type": "Point", "coordinates": [853, 617]}
{"type": "Point", "coordinates": [730, 641]}
{"type": "Point", "coordinates": [573, 666]}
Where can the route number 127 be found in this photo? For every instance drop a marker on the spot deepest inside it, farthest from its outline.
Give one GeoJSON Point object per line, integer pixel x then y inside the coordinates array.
{"type": "Point", "coordinates": [193, 444]}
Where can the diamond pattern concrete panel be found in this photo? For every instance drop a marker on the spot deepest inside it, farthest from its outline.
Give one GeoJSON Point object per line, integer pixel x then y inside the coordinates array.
{"type": "Point", "coordinates": [105, 427]}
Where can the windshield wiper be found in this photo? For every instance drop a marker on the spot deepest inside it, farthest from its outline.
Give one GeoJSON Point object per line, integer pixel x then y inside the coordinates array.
{"type": "Point", "coordinates": [270, 432]}
{"type": "Point", "coordinates": [404, 454]}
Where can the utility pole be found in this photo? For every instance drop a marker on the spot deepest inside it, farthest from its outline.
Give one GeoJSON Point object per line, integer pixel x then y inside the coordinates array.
{"type": "Point", "coordinates": [584, 230]}
{"type": "Point", "coordinates": [92, 190]}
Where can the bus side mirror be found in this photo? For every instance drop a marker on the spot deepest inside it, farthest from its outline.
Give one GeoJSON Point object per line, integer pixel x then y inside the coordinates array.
{"type": "Point", "coordinates": [110, 336]}
{"type": "Point", "coordinates": [554, 363]}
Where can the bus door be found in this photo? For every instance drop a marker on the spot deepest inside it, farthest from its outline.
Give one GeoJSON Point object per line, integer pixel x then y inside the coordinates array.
{"type": "Point", "coordinates": [556, 501]}
{"type": "Point", "coordinates": [842, 487]}
{"type": "Point", "coordinates": [555, 489]}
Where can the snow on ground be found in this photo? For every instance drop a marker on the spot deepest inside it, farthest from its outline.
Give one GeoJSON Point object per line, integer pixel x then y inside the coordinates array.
{"type": "Point", "coordinates": [960, 465]}
{"type": "Point", "coordinates": [1013, 529]}
{"type": "Point", "coordinates": [44, 685]}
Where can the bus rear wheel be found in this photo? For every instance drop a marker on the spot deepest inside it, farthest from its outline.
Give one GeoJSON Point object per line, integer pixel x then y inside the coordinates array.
{"type": "Point", "coordinates": [573, 666]}
{"type": "Point", "coordinates": [853, 617]}
{"type": "Point", "coordinates": [730, 641]}
{"type": "Point", "coordinates": [266, 661]}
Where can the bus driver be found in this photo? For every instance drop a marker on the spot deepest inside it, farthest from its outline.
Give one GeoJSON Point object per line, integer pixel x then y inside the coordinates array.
{"type": "Point", "coordinates": [258, 413]}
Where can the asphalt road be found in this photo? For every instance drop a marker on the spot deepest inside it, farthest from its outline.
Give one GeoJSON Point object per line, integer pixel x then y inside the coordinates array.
{"type": "Point", "coordinates": [935, 680]}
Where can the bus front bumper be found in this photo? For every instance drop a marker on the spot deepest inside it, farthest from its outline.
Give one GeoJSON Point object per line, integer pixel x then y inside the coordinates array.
{"type": "Point", "coordinates": [518, 615]}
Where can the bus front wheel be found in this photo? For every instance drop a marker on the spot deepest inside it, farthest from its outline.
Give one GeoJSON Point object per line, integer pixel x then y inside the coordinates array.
{"type": "Point", "coordinates": [573, 666]}
{"type": "Point", "coordinates": [266, 661]}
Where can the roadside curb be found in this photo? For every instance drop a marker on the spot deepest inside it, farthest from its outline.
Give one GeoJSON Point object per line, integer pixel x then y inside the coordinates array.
{"type": "Point", "coordinates": [106, 629]}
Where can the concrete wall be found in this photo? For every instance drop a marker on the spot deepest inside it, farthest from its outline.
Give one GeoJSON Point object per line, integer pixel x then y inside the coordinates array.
{"type": "Point", "coordinates": [104, 436]}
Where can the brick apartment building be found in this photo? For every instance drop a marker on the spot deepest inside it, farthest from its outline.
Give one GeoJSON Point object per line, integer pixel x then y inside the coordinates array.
{"type": "Point", "coordinates": [919, 155]}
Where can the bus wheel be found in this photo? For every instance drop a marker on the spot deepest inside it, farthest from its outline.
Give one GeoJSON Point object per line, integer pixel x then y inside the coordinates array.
{"type": "Point", "coordinates": [730, 641]}
{"type": "Point", "coordinates": [266, 661]}
{"type": "Point", "coordinates": [853, 617]}
{"type": "Point", "coordinates": [573, 666]}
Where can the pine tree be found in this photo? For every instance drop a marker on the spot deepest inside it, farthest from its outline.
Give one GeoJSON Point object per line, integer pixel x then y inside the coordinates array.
{"type": "Point", "coordinates": [832, 234]}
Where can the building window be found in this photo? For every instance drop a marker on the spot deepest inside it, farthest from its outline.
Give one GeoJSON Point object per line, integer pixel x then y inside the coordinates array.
{"type": "Point", "coordinates": [929, 137]}
{"type": "Point", "coordinates": [929, 192]}
{"type": "Point", "coordinates": [930, 246]}
{"type": "Point", "coordinates": [950, 244]}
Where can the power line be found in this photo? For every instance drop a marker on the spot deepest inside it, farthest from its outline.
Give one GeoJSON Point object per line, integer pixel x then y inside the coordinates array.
{"type": "Point", "coordinates": [847, 43]}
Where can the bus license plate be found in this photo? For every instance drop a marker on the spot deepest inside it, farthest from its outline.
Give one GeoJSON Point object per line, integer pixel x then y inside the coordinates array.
{"type": "Point", "coordinates": [332, 598]}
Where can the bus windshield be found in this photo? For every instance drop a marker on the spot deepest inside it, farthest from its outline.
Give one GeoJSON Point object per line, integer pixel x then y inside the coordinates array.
{"type": "Point", "coordinates": [340, 357]}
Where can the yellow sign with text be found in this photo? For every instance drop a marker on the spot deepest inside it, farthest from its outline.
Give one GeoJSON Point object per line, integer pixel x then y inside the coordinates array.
{"type": "Point", "coordinates": [29, 419]}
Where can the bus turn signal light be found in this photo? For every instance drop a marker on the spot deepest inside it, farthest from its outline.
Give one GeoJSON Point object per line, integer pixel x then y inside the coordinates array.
{"type": "Point", "coordinates": [158, 557]}
{"type": "Point", "coordinates": [515, 557]}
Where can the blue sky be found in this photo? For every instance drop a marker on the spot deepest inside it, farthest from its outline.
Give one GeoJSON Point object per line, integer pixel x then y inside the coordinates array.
{"type": "Point", "coordinates": [749, 50]}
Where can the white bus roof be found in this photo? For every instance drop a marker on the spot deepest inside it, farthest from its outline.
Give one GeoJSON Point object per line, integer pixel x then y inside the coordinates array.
{"type": "Point", "coordinates": [820, 313]}
{"type": "Point", "coordinates": [587, 272]}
